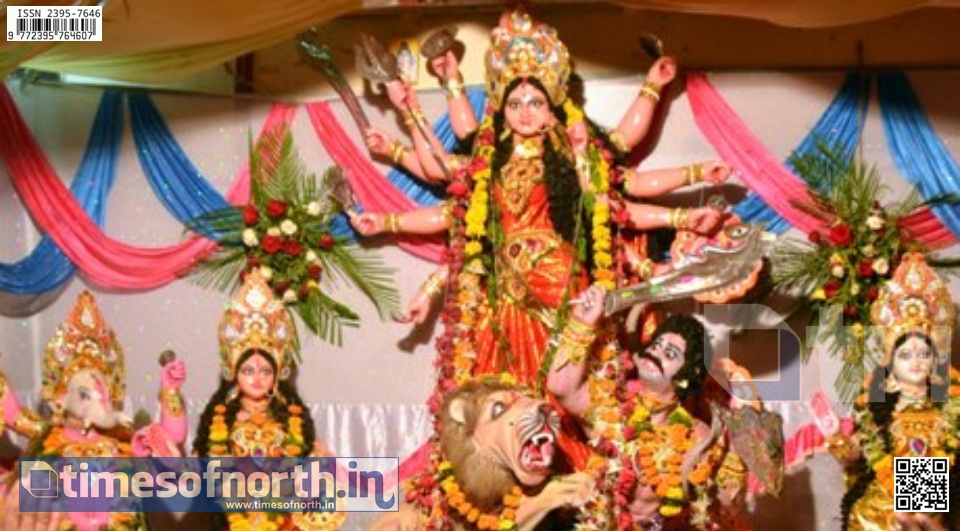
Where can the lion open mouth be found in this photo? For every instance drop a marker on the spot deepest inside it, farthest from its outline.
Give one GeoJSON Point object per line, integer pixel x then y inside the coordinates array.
{"type": "Point", "coordinates": [536, 455]}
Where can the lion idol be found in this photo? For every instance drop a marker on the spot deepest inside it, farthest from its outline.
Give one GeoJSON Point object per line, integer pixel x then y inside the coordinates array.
{"type": "Point", "coordinates": [497, 466]}
{"type": "Point", "coordinates": [83, 373]}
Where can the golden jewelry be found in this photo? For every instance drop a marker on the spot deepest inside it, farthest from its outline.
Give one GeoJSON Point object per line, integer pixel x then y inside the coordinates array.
{"type": "Point", "coordinates": [397, 151]}
{"type": "Point", "coordinates": [446, 211]}
{"type": "Point", "coordinates": [643, 268]}
{"type": "Point", "coordinates": [453, 87]}
{"type": "Point", "coordinates": [576, 340]}
{"type": "Point", "coordinates": [171, 400]}
{"type": "Point", "coordinates": [677, 218]}
{"type": "Point", "coordinates": [408, 119]}
{"type": "Point", "coordinates": [434, 285]}
{"type": "Point", "coordinates": [732, 473]}
{"type": "Point", "coordinates": [693, 173]}
{"type": "Point", "coordinates": [651, 91]}
{"type": "Point", "coordinates": [28, 423]}
{"type": "Point", "coordinates": [619, 143]}
{"type": "Point", "coordinates": [392, 223]}
{"type": "Point", "coordinates": [839, 445]}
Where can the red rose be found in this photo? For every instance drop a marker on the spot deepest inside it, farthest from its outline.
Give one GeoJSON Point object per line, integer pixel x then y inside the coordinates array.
{"type": "Point", "coordinates": [457, 189]}
{"type": "Point", "coordinates": [303, 292]}
{"type": "Point", "coordinates": [872, 294]}
{"type": "Point", "coordinates": [850, 311]}
{"type": "Point", "coordinates": [292, 247]}
{"type": "Point", "coordinates": [251, 215]}
{"type": "Point", "coordinates": [832, 288]}
{"type": "Point", "coordinates": [253, 262]}
{"type": "Point", "coordinates": [459, 212]}
{"type": "Point", "coordinates": [280, 286]}
{"type": "Point", "coordinates": [315, 271]}
{"type": "Point", "coordinates": [841, 235]}
{"type": "Point", "coordinates": [326, 242]}
{"type": "Point", "coordinates": [276, 209]}
{"type": "Point", "coordinates": [815, 237]}
{"type": "Point", "coordinates": [271, 244]}
{"type": "Point", "coordinates": [866, 267]}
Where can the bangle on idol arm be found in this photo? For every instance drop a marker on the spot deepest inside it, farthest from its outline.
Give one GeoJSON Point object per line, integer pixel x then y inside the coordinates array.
{"type": "Point", "coordinates": [651, 91]}
{"type": "Point", "coordinates": [434, 285]}
{"type": "Point", "coordinates": [453, 86]}
{"type": "Point", "coordinates": [576, 340]}
{"type": "Point", "coordinates": [393, 223]}
{"type": "Point", "coordinates": [693, 173]}
{"type": "Point", "coordinates": [171, 400]}
{"type": "Point", "coordinates": [397, 152]}
{"type": "Point", "coordinates": [677, 218]}
{"type": "Point", "coordinates": [619, 143]}
{"type": "Point", "coordinates": [29, 424]}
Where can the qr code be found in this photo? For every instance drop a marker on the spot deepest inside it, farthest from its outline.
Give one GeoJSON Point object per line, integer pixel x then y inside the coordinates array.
{"type": "Point", "coordinates": [921, 484]}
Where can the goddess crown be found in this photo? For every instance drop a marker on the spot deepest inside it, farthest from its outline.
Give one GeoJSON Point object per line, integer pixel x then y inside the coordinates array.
{"type": "Point", "coordinates": [82, 341]}
{"type": "Point", "coordinates": [521, 47]}
{"type": "Point", "coordinates": [915, 299]}
{"type": "Point", "coordinates": [256, 320]}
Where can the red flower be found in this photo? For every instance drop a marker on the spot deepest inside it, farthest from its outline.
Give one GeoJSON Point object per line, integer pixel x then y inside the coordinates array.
{"type": "Point", "coordinates": [872, 293]}
{"type": "Point", "coordinates": [276, 209]}
{"type": "Point", "coordinates": [485, 138]}
{"type": "Point", "coordinates": [271, 244]}
{"type": "Point", "coordinates": [292, 247]}
{"type": "Point", "coordinates": [457, 189]}
{"type": "Point", "coordinates": [314, 271]}
{"type": "Point", "coordinates": [832, 288]}
{"type": "Point", "coordinates": [253, 262]}
{"type": "Point", "coordinates": [866, 267]}
{"type": "Point", "coordinates": [326, 242]}
{"type": "Point", "coordinates": [459, 212]}
{"type": "Point", "coordinates": [280, 286]}
{"type": "Point", "coordinates": [850, 311]}
{"type": "Point", "coordinates": [815, 237]}
{"type": "Point", "coordinates": [251, 215]}
{"type": "Point", "coordinates": [841, 235]}
{"type": "Point", "coordinates": [303, 292]}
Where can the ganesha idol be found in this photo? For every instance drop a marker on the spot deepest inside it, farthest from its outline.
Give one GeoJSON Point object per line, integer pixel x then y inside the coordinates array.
{"type": "Point", "coordinates": [83, 386]}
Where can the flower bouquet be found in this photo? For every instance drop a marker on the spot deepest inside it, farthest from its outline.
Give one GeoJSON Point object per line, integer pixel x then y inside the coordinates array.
{"type": "Point", "coordinates": [286, 231]}
{"type": "Point", "coordinates": [840, 268]}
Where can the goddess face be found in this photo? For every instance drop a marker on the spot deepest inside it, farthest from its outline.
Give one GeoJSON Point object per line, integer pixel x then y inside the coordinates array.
{"type": "Point", "coordinates": [256, 377]}
{"type": "Point", "coordinates": [912, 362]}
{"type": "Point", "coordinates": [662, 360]}
{"type": "Point", "coordinates": [527, 111]}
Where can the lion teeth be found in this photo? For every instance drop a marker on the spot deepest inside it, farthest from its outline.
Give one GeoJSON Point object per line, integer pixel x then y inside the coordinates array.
{"type": "Point", "coordinates": [542, 438]}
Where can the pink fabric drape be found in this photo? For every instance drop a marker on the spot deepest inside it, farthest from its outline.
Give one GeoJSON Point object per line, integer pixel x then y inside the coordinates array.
{"type": "Point", "coordinates": [924, 227]}
{"type": "Point", "coordinates": [373, 190]}
{"type": "Point", "coordinates": [759, 169]}
{"type": "Point", "coordinates": [105, 261]}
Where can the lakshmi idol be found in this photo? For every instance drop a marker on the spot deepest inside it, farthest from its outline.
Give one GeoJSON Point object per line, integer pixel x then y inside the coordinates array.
{"type": "Point", "coordinates": [256, 411]}
{"type": "Point", "coordinates": [911, 402]}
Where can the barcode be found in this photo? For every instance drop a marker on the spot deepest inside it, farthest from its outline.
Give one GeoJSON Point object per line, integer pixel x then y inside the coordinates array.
{"type": "Point", "coordinates": [921, 484]}
{"type": "Point", "coordinates": [57, 24]}
{"type": "Point", "coordinates": [54, 24]}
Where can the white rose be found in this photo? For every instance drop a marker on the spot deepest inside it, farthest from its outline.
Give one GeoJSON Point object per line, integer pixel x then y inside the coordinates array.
{"type": "Point", "coordinates": [837, 271]}
{"type": "Point", "coordinates": [311, 257]}
{"type": "Point", "coordinates": [289, 296]}
{"type": "Point", "coordinates": [273, 231]}
{"type": "Point", "coordinates": [881, 266]}
{"type": "Point", "coordinates": [313, 208]}
{"type": "Point", "coordinates": [875, 222]}
{"type": "Point", "coordinates": [854, 289]}
{"type": "Point", "coordinates": [288, 227]}
{"type": "Point", "coordinates": [266, 272]}
{"type": "Point", "coordinates": [250, 238]}
{"type": "Point", "coordinates": [868, 251]}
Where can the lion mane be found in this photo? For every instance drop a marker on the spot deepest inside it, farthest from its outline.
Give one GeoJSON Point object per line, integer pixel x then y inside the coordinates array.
{"type": "Point", "coordinates": [482, 474]}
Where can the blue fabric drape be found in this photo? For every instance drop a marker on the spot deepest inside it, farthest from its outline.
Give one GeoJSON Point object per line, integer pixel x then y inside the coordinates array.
{"type": "Point", "coordinates": [915, 147]}
{"type": "Point", "coordinates": [46, 268]}
{"type": "Point", "coordinates": [179, 185]}
{"type": "Point", "coordinates": [839, 126]}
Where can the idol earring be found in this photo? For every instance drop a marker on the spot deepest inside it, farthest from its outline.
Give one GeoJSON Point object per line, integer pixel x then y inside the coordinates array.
{"type": "Point", "coordinates": [506, 133]}
{"type": "Point", "coordinates": [232, 394]}
{"type": "Point", "coordinates": [682, 384]}
{"type": "Point", "coordinates": [893, 386]}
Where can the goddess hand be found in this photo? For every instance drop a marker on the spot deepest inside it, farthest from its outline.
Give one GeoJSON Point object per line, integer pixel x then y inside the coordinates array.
{"type": "Point", "coordinates": [703, 220]}
{"type": "Point", "coordinates": [400, 94]}
{"type": "Point", "coordinates": [367, 224]}
{"type": "Point", "coordinates": [716, 172]}
{"type": "Point", "coordinates": [663, 71]}
{"type": "Point", "coordinates": [418, 310]}
{"type": "Point", "coordinates": [590, 309]}
{"type": "Point", "coordinates": [173, 374]}
{"type": "Point", "coordinates": [572, 490]}
{"type": "Point", "coordinates": [445, 66]}
{"type": "Point", "coordinates": [379, 142]}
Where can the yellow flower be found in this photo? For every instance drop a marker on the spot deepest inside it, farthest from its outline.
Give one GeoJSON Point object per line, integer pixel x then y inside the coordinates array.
{"type": "Point", "coordinates": [857, 330]}
{"type": "Point", "coordinates": [675, 493]}
{"type": "Point", "coordinates": [507, 378]}
{"type": "Point", "coordinates": [603, 259]}
{"type": "Point", "coordinates": [640, 414]}
{"type": "Point", "coordinates": [818, 295]}
{"type": "Point", "coordinates": [574, 114]}
{"type": "Point", "coordinates": [886, 462]}
{"type": "Point", "coordinates": [670, 510]}
{"type": "Point", "coordinates": [473, 248]}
